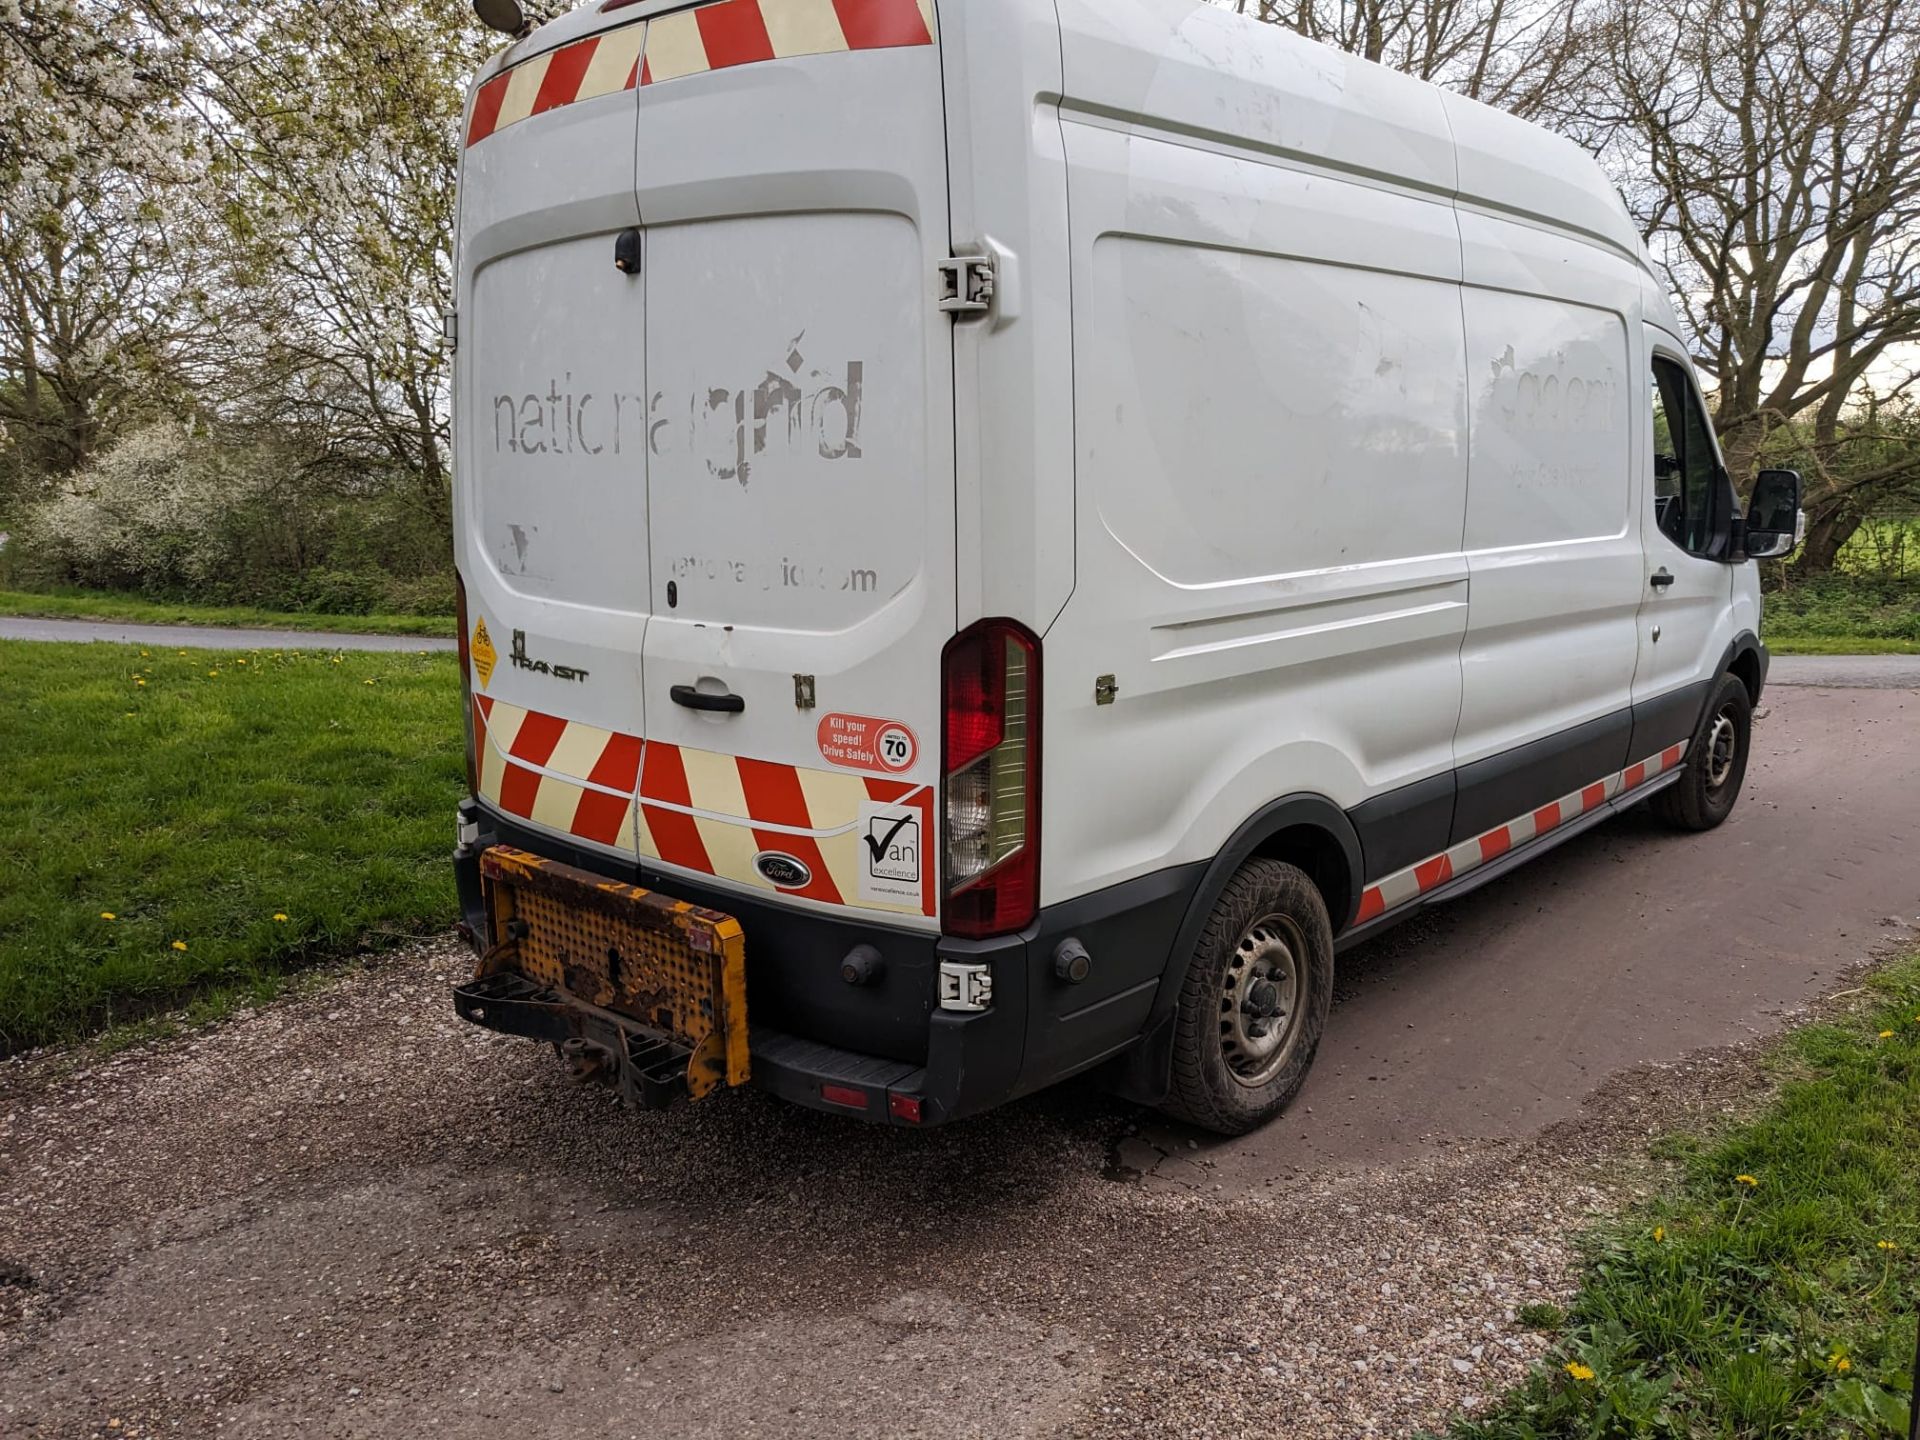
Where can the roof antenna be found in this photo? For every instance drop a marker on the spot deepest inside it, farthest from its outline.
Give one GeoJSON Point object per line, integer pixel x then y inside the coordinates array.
{"type": "Point", "coordinates": [506, 16]}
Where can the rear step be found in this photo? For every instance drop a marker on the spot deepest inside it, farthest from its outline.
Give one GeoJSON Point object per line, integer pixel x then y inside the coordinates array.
{"type": "Point", "coordinates": [648, 1068]}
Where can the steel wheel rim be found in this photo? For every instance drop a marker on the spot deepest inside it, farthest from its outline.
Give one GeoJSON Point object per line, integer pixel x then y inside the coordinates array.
{"type": "Point", "coordinates": [1260, 1000]}
{"type": "Point", "coordinates": [1723, 745]}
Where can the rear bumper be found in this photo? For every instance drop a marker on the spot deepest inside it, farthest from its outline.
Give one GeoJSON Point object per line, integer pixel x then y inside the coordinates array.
{"type": "Point", "coordinates": [923, 1065]}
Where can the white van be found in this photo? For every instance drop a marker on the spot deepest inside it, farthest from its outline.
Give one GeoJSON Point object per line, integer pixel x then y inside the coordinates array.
{"type": "Point", "coordinates": [998, 535]}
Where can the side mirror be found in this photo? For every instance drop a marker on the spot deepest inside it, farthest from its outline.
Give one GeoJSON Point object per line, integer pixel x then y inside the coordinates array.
{"type": "Point", "coordinates": [1773, 515]}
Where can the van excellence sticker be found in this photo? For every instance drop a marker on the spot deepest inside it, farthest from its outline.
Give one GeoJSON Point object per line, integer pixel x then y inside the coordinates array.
{"type": "Point", "coordinates": [860, 742]}
{"type": "Point", "coordinates": [890, 846]}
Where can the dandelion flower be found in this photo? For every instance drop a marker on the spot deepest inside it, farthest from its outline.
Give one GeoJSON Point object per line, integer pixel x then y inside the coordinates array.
{"type": "Point", "coordinates": [109, 915]}
{"type": "Point", "coordinates": [140, 682]}
{"type": "Point", "coordinates": [1745, 1180]}
{"type": "Point", "coordinates": [180, 652]}
{"type": "Point", "coordinates": [366, 682]}
{"type": "Point", "coordinates": [179, 944]}
{"type": "Point", "coordinates": [241, 661]}
{"type": "Point", "coordinates": [1886, 1245]}
{"type": "Point", "coordinates": [1840, 1362]}
{"type": "Point", "coordinates": [1579, 1371]}
{"type": "Point", "coordinates": [280, 916]}
{"type": "Point", "coordinates": [143, 654]}
{"type": "Point", "coordinates": [1659, 1234]}
{"type": "Point", "coordinates": [212, 673]}
{"type": "Point", "coordinates": [1886, 1034]}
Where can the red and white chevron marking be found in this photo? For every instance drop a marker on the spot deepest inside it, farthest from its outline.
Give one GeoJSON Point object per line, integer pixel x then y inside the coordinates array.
{"type": "Point", "coordinates": [602, 64]}
{"type": "Point", "coordinates": [702, 810]}
{"type": "Point", "coordinates": [690, 42]}
{"type": "Point", "coordinates": [1417, 879]}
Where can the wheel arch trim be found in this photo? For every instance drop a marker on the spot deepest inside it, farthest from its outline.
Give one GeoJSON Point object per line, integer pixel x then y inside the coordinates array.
{"type": "Point", "coordinates": [1298, 811]}
{"type": "Point", "coordinates": [1744, 647]}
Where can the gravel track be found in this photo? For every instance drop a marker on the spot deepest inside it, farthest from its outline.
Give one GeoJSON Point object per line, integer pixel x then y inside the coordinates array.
{"type": "Point", "coordinates": [351, 1215]}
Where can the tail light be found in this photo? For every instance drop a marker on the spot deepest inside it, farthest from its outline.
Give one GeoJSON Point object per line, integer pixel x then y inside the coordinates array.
{"type": "Point", "coordinates": [990, 682]}
{"type": "Point", "coordinates": [466, 680]}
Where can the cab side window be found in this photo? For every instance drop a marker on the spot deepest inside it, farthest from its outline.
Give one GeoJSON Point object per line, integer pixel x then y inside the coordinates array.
{"type": "Point", "coordinates": [1685, 471]}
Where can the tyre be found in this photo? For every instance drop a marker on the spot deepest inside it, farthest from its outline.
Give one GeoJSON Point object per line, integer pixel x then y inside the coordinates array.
{"type": "Point", "coordinates": [1703, 796]}
{"type": "Point", "coordinates": [1254, 1002]}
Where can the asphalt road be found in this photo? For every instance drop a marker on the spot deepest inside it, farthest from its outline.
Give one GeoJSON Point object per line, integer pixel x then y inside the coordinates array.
{"type": "Point", "coordinates": [1857, 672]}
{"type": "Point", "coordinates": [1497, 1014]}
{"type": "Point", "coordinates": [348, 1215]}
{"type": "Point", "coordinates": [208, 637]}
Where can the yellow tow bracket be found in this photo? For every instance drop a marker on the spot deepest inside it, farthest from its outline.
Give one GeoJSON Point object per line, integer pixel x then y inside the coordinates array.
{"type": "Point", "coordinates": [676, 968]}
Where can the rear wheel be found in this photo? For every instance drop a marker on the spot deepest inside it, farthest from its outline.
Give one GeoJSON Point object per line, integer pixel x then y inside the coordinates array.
{"type": "Point", "coordinates": [1703, 796]}
{"type": "Point", "coordinates": [1255, 1001]}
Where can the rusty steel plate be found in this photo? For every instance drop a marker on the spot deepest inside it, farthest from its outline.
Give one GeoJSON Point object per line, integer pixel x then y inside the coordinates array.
{"type": "Point", "coordinates": [676, 968]}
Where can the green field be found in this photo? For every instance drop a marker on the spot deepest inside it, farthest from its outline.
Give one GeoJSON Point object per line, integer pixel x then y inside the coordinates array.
{"type": "Point", "coordinates": [107, 605]}
{"type": "Point", "coordinates": [232, 818]}
{"type": "Point", "coordinates": [1769, 1289]}
{"type": "Point", "coordinates": [1843, 615]}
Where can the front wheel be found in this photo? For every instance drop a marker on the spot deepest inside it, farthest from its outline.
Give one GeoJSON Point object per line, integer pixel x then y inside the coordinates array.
{"type": "Point", "coordinates": [1255, 1001]}
{"type": "Point", "coordinates": [1703, 796]}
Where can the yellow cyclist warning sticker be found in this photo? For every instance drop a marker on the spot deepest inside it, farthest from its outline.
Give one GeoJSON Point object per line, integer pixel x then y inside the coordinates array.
{"type": "Point", "coordinates": [485, 657]}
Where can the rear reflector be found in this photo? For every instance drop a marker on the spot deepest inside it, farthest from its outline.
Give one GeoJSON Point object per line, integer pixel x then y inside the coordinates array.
{"type": "Point", "coordinates": [904, 1107]}
{"type": "Point", "coordinates": [844, 1095]}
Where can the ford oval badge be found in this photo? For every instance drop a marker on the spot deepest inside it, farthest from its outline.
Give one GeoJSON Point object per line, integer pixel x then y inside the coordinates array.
{"type": "Point", "coordinates": [783, 870]}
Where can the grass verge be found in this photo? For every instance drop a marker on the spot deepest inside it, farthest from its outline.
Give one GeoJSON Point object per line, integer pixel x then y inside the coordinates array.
{"type": "Point", "coordinates": [1771, 1289]}
{"type": "Point", "coordinates": [1841, 645]}
{"type": "Point", "coordinates": [106, 605]}
{"type": "Point", "coordinates": [1843, 614]}
{"type": "Point", "coordinates": [188, 826]}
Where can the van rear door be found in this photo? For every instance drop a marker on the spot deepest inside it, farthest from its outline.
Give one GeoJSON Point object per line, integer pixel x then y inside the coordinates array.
{"type": "Point", "coordinates": [550, 476]}
{"type": "Point", "coordinates": [791, 176]}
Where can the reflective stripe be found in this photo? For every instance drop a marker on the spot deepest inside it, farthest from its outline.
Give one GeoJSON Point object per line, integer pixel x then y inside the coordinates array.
{"type": "Point", "coordinates": [691, 42]}
{"type": "Point", "coordinates": [701, 810]}
{"type": "Point", "coordinates": [1429, 874]}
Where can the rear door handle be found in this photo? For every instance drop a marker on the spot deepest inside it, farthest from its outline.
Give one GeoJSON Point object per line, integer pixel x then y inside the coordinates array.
{"type": "Point", "coordinates": [1661, 578]}
{"type": "Point", "coordinates": [699, 700]}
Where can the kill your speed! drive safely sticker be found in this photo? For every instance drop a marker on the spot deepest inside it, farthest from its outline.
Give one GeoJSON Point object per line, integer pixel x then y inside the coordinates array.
{"type": "Point", "coordinates": [861, 742]}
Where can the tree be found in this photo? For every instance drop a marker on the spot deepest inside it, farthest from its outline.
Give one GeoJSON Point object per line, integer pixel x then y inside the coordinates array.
{"type": "Point", "coordinates": [1518, 55]}
{"type": "Point", "coordinates": [1772, 151]}
{"type": "Point", "coordinates": [337, 217]}
{"type": "Point", "coordinates": [91, 302]}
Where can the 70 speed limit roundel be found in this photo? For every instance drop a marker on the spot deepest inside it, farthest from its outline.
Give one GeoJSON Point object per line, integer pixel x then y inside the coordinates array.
{"type": "Point", "coordinates": [864, 742]}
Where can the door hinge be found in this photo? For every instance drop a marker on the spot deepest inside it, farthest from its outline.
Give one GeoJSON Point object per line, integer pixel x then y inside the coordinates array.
{"type": "Point", "coordinates": [965, 987]}
{"type": "Point", "coordinates": [966, 285]}
{"type": "Point", "coordinates": [450, 327]}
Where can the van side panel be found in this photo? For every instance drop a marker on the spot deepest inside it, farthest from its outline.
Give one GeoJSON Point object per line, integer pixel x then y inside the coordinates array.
{"type": "Point", "coordinates": [1552, 537]}
{"type": "Point", "coordinates": [1272, 483]}
{"type": "Point", "coordinates": [1201, 73]}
